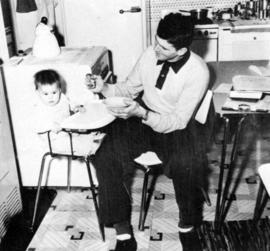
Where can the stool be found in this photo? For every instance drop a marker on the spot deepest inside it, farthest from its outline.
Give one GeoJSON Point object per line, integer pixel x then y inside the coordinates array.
{"type": "Point", "coordinates": [263, 191]}
{"type": "Point", "coordinates": [150, 162]}
{"type": "Point", "coordinates": [70, 155]}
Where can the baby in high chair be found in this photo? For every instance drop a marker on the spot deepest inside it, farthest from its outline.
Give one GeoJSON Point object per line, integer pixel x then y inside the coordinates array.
{"type": "Point", "coordinates": [53, 107]}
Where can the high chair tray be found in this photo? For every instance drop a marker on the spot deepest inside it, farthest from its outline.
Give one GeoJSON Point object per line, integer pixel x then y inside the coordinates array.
{"type": "Point", "coordinates": [95, 116]}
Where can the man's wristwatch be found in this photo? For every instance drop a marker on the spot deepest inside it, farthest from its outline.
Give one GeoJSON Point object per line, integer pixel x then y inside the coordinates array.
{"type": "Point", "coordinates": [145, 116]}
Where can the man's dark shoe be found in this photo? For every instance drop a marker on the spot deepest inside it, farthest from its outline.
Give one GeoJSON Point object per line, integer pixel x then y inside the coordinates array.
{"type": "Point", "coordinates": [190, 241]}
{"type": "Point", "coordinates": [126, 245]}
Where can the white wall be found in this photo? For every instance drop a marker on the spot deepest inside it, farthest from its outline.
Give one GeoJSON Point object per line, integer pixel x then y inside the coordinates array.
{"type": "Point", "coordinates": [98, 22]}
{"type": "Point", "coordinates": [25, 23]}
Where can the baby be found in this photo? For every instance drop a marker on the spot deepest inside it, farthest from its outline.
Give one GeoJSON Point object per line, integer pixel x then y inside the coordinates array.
{"type": "Point", "coordinates": [52, 108]}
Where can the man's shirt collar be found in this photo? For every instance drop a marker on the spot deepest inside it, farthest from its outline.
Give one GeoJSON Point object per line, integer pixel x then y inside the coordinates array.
{"type": "Point", "coordinates": [176, 66]}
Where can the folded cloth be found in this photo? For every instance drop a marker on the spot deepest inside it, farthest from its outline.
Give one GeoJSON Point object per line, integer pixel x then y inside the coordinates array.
{"type": "Point", "coordinates": [148, 158]}
{"type": "Point", "coordinates": [24, 6]}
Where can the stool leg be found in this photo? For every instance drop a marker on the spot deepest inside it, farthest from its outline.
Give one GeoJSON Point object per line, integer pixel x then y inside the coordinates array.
{"type": "Point", "coordinates": [143, 200]}
{"type": "Point", "coordinates": [206, 197]}
{"type": "Point", "coordinates": [38, 189]}
{"type": "Point", "coordinates": [68, 173]}
{"type": "Point", "coordinates": [94, 195]}
{"type": "Point", "coordinates": [261, 201]}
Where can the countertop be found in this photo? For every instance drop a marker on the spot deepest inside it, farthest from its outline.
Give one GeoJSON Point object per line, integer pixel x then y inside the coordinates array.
{"type": "Point", "coordinates": [223, 72]}
{"type": "Point", "coordinates": [243, 23]}
{"type": "Point", "coordinates": [68, 55]}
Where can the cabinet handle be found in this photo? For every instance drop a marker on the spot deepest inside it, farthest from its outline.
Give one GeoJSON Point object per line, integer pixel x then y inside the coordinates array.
{"type": "Point", "coordinates": [132, 10]}
{"type": "Point", "coordinates": [254, 38]}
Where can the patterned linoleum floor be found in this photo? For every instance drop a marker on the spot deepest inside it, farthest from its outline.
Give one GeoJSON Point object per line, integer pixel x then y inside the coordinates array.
{"type": "Point", "coordinates": [71, 223]}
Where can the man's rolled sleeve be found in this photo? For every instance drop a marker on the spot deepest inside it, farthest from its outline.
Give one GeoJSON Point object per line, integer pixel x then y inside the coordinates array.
{"type": "Point", "coordinates": [153, 120]}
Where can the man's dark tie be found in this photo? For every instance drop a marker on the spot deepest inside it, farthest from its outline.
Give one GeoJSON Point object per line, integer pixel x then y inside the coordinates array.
{"type": "Point", "coordinates": [163, 74]}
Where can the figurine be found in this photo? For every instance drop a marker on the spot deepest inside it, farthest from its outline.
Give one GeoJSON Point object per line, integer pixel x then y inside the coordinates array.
{"type": "Point", "coordinates": [45, 43]}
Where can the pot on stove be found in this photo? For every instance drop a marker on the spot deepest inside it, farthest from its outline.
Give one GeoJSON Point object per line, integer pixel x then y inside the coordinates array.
{"type": "Point", "coordinates": [197, 14]}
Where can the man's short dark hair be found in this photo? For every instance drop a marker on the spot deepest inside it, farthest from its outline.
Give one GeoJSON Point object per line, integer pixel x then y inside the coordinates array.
{"type": "Point", "coordinates": [177, 29]}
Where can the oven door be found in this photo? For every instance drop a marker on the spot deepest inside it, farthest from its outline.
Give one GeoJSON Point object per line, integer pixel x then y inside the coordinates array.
{"type": "Point", "coordinates": [207, 48]}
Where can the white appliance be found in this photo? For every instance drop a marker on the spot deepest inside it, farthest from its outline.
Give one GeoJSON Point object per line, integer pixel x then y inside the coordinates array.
{"type": "Point", "coordinates": [10, 197]}
{"type": "Point", "coordinates": [7, 43]}
{"type": "Point", "coordinates": [72, 64]}
{"type": "Point", "coordinates": [244, 40]}
{"type": "Point", "coordinates": [118, 25]}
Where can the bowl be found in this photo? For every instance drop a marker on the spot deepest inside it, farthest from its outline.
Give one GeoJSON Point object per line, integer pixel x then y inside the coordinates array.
{"type": "Point", "coordinates": [115, 102]}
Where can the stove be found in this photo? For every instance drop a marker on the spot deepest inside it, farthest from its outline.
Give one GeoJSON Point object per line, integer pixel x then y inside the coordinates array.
{"type": "Point", "coordinates": [205, 41]}
{"type": "Point", "coordinates": [205, 29]}
{"type": "Point", "coordinates": [203, 21]}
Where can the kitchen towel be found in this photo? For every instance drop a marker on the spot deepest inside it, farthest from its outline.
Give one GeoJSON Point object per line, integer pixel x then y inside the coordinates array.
{"type": "Point", "coordinates": [24, 6]}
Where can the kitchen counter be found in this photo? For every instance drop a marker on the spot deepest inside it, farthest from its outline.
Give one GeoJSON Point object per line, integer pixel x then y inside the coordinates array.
{"type": "Point", "coordinates": [223, 72]}
{"type": "Point", "coordinates": [242, 23]}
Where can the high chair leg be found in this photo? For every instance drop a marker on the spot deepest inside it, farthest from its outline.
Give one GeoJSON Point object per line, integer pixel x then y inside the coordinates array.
{"type": "Point", "coordinates": [48, 172]}
{"type": "Point", "coordinates": [38, 189]}
{"type": "Point", "coordinates": [68, 173]}
{"type": "Point", "coordinates": [94, 195]}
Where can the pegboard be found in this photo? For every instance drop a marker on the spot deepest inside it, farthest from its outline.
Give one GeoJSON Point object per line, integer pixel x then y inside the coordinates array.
{"type": "Point", "coordinates": [154, 7]}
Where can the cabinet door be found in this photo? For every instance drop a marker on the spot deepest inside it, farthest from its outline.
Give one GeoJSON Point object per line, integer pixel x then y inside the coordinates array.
{"type": "Point", "coordinates": [7, 157]}
{"type": "Point", "coordinates": [99, 22]}
{"type": "Point", "coordinates": [8, 167]}
{"type": "Point", "coordinates": [244, 45]}
{"type": "Point", "coordinates": [10, 199]}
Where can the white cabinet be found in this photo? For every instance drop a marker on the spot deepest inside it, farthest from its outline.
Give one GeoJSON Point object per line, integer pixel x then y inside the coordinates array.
{"type": "Point", "coordinates": [244, 44]}
{"type": "Point", "coordinates": [10, 198]}
{"type": "Point", "coordinates": [4, 53]}
{"type": "Point", "coordinates": [99, 22]}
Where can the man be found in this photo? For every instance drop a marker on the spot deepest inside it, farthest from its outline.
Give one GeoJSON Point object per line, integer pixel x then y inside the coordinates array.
{"type": "Point", "coordinates": [163, 92]}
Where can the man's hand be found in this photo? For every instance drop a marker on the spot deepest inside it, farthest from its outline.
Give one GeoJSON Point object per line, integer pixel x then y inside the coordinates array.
{"type": "Point", "coordinates": [94, 83]}
{"type": "Point", "coordinates": [133, 109]}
